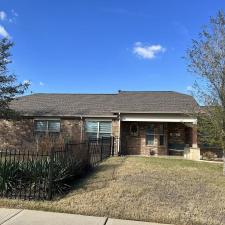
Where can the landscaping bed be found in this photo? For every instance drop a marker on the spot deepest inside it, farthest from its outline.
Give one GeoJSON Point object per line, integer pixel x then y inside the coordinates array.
{"type": "Point", "coordinates": [43, 175]}
{"type": "Point", "coordinates": [148, 189]}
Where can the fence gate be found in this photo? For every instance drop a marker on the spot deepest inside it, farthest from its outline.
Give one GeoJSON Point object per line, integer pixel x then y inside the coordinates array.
{"type": "Point", "coordinates": [100, 149]}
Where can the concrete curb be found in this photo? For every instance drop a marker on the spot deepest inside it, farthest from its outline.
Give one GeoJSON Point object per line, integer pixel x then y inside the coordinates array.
{"type": "Point", "coordinates": [28, 217]}
{"type": "Point", "coordinates": [7, 214]}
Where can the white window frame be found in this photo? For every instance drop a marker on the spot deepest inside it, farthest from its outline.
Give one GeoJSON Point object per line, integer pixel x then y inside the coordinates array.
{"type": "Point", "coordinates": [162, 134]}
{"type": "Point", "coordinates": [47, 120]}
{"type": "Point", "coordinates": [98, 127]}
{"type": "Point", "coordinates": [153, 134]}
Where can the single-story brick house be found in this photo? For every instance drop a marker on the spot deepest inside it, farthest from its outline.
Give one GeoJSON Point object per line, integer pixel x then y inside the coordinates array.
{"type": "Point", "coordinates": [144, 122]}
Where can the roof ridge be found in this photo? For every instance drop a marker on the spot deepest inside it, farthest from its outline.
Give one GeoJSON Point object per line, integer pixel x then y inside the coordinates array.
{"type": "Point", "coordinates": [144, 91]}
{"type": "Point", "coordinates": [72, 94]}
{"type": "Point", "coordinates": [107, 94]}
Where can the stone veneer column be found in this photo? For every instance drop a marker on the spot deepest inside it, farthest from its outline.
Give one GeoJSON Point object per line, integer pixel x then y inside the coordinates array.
{"type": "Point", "coordinates": [193, 152]}
{"type": "Point", "coordinates": [116, 134]}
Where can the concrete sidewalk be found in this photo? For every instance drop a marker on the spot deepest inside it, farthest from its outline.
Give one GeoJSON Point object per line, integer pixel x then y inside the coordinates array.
{"type": "Point", "coordinates": [33, 217]}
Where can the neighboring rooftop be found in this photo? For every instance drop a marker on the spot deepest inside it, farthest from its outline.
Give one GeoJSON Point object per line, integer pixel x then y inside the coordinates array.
{"type": "Point", "coordinates": [104, 104]}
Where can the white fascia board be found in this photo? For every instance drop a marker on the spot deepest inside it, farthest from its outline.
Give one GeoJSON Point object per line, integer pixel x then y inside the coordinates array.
{"type": "Point", "coordinates": [48, 118]}
{"type": "Point", "coordinates": [98, 119]}
{"type": "Point", "coordinates": [159, 118]}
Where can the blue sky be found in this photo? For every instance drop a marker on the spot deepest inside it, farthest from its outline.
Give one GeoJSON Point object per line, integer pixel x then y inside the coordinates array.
{"type": "Point", "coordinates": [99, 46]}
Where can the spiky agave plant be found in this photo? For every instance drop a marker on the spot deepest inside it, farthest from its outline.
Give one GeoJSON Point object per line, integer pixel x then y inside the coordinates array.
{"type": "Point", "coordinates": [8, 176]}
{"type": "Point", "coordinates": [63, 173]}
{"type": "Point", "coordinates": [32, 175]}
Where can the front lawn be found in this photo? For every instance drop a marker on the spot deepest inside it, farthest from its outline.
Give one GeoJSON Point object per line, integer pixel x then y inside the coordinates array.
{"type": "Point", "coordinates": [149, 189]}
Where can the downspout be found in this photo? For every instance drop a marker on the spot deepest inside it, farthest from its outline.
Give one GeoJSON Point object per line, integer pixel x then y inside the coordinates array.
{"type": "Point", "coordinates": [81, 129]}
{"type": "Point", "coordinates": [118, 143]}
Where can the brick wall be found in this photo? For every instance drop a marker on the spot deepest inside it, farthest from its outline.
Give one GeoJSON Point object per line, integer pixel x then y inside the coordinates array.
{"type": "Point", "coordinates": [179, 133]}
{"type": "Point", "coordinates": [16, 134]}
{"type": "Point", "coordinates": [136, 145]}
{"type": "Point", "coordinates": [174, 133]}
{"type": "Point", "coordinates": [115, 128]}
{"type": "Point", "coordinates": [72, 129]}
{"type": "Point", "coordinates": [20, 134]}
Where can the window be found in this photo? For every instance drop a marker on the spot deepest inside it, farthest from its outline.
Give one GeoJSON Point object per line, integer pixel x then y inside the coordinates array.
{"type": "Point", "coordinates": [49, 126]}
{"type": "Point", "coordinates": [91, 129]}
{"type": "Point", "coordinates": [98, 129]}
{"type": "Point", "coordinates": [161, 135]}
{"type": "Point", "coordinates": [150, 135]}
{"type": "Point", "coordinates": [134, 129]}
{"type": "Point", "coordinates": [105, 129]}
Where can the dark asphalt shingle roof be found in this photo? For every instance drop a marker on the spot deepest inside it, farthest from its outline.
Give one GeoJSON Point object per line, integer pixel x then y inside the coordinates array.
{"type": "Point", "coordinates": [104, 104]}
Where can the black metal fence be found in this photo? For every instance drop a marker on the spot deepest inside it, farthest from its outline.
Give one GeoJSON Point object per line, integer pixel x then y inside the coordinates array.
{"type": "Point", "coordinates": [100, 149]}
{"type": "Point", "coordinates": [43, 175]}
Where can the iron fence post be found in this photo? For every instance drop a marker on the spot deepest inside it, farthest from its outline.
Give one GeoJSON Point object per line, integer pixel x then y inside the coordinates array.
{"type": "Point", "coordinates": [101, 149]}
{"type": "Point", "coordinates": [88, 152]}
{"type": "Point", "coordinates": [110, 146]}
{"type": "Point", "coordinates": [113, 139]}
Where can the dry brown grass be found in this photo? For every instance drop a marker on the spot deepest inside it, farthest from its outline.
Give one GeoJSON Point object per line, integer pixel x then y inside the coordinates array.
{"type": "Point", "coordinates": [148, 189]}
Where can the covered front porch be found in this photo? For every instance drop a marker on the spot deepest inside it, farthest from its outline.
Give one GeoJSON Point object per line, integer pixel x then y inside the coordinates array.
{"type": "Point", "coordinates": [165, 136]}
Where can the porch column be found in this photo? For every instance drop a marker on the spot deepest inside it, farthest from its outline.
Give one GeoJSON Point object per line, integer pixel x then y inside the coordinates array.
{"type": "Point", "coordinates": [193, 152]}
{"type": "Point", "coordinates": [194, 136]}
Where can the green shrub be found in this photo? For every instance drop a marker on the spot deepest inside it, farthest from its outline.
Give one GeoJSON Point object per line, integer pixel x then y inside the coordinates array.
{"type": "Point", "coordinates": [208, 155]}
{"type": "Point", "coordinates": [32, 175]}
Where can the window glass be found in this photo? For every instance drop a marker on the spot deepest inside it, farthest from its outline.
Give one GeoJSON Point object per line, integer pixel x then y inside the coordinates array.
{"type": "Point", "coordinates": [98, 129]}
{"type": "Point", "coordinates": [150, 139]}
{"type": "Point", "coordinates": [47, 125]}
{"type": "Point", "coordinates": [92, 135]}
{"type": "Point", "coordinates": [161, 140]}
{"type": "Point", "coordinates": [150, 129]}
{"type": "Point", "coordinates": [53, 126]}
{"type": "Point", "coordinates": [161, 134]}
{"type": "Point", "coordinates": [105, 128]}
{"type": "Point", "coordinates": [134, 130]}
{"type": "Point", "coordinates": [150, 135]}
{"type": "Point", "coordinates": [161, 129]}
{"type": "Point", "coordinates": [104, 135]}
{"type": "Point", "coordinates": [91, 129]}
{"type": "Point", "coordinates": [41, 125]}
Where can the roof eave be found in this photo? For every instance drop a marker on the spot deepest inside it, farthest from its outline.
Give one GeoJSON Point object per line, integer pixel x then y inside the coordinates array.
{"type": "Point", "coordinates": [69, 116]}
{"type": "Point", "coordinates": [152, 112]}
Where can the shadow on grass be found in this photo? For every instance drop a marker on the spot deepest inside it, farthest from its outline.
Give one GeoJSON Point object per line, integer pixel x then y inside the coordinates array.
{"type": "Point", "coordinates": [90, 177]}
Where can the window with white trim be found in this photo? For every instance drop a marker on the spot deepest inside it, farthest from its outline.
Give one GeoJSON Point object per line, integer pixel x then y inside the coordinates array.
{"type": "Point", "coordinates": [98, 129]}
{"type": "Point", "coordinates": [150, 135]}
{"type": "Point", "coordinates": [161, 135]}
{"type": "Point", "coordinates": [47, 126]}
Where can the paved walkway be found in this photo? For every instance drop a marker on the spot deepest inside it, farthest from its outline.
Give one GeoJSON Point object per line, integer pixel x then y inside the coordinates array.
{"type": "Point", "coordinates": [32, 217]}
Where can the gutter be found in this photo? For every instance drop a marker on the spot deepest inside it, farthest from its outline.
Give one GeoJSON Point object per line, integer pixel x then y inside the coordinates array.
{"type": "Point", "coordinates": [68, 116]}
{"type": "Point", "coordinates": [151, 112]}
{"type": "Point", "coordinates": [81, 129]}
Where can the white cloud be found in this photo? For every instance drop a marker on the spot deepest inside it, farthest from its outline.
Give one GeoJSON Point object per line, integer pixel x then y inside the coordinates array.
{"type": "Point", "coordinates": [147, 51]}
{"type": "Point", "coordinates": [3, 32]}
{"type": "Point", "coordinates": [3, 15]}
{"type": "Point", "coordinates": [41, 83]}
{"type": "Point", "coordinates": [11, 17]}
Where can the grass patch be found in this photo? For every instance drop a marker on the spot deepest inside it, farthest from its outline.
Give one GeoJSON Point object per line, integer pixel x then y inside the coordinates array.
{"type": "Point", "coordinates": [148, 189]}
